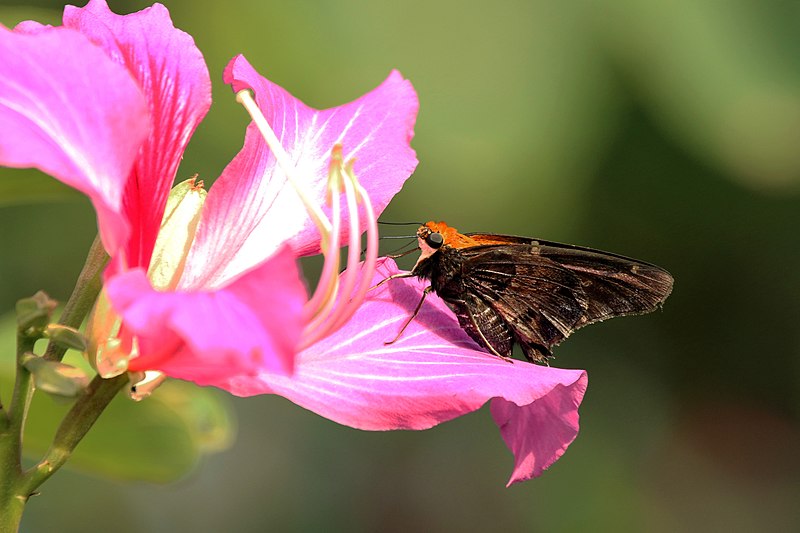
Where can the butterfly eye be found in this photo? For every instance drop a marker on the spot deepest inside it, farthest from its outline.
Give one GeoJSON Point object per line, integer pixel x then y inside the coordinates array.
{"type": "Point", "coordinates": [435, 240]}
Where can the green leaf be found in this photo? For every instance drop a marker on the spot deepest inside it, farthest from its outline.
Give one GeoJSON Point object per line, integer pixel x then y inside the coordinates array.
{"type": "Point", "coordinates": [160, 439]}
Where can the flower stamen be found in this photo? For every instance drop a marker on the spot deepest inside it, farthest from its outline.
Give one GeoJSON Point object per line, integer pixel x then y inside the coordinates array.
{"type": "Point", "coordinates": [245, 98]}
{"type": "Point", "coordinates": [108, 353]}
{"type": "Point", "coordinates": [322, 319]}
{"type": "Point", "coordinates": [321, 314]}
{"type": "Point", "coordinates": [370, 256]}
{"type": "Point", "coordinates": [327, 289]}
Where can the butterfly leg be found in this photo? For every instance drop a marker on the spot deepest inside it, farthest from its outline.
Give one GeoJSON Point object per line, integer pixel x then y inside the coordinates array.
{"type": "Point", "coordinates": [414, 315]}
{"type": "Point", "coordinates": [403, 254]}
{"type": "Point", "coordinates": [393, 276]}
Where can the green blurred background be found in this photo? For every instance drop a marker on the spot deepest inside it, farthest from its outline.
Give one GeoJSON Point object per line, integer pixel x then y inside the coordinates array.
{"type": "Point", "coordinates": [667, 131]}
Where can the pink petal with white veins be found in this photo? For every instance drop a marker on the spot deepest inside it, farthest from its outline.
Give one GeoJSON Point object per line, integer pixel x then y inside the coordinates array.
{"type": "Point", "coordinates": [174, 78]}
{"type": "Point", "coordinates": [264, 208]}
{"type": "Point", "coordinates": [432, 374]}
{"type": "Point", "coordinates": [70, 111]}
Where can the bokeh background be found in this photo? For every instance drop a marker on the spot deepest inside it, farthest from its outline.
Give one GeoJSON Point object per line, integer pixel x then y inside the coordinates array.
{"type": "Point", "coordinates": [667, 131]}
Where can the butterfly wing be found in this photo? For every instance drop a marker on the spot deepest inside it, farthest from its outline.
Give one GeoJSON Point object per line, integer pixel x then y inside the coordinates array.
{"type": "Point", "coordinates": [544, 290]}
{"type": "Point", "coordinates": [615, 285]}
{"type": "Point", "coordinates": [486, 326]}
{"type": "Point", "coordinates": [540, 301]}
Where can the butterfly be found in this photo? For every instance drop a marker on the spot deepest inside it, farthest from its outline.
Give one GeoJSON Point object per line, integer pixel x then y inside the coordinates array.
{"type": "Point", "coordinates": [508, 290]}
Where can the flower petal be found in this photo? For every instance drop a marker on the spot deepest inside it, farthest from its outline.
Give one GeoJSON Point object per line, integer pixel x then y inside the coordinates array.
{"type": "Point", "coordinates": [70, 111]}
{"type": "Point", "coordinates": [375, 130]}
{"type": "Point", "coordinates": [174, 79]}
{"type": "Point", "coordinates": [432, 374]}
{"type": "Point", "coordinates": [521, 427]}
{"type": "Point", "coordinates": [252, 325]}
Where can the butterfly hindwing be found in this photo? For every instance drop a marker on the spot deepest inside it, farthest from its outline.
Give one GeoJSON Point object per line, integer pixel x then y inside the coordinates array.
{"type": "Point", "coordinates": [484, 324]}
{"type": "Point", "coordinates": [539, 300]}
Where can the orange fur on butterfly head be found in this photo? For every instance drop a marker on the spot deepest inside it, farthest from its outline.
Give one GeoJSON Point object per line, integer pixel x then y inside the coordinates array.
{"type": "Point", "coordinates": [453, 238]}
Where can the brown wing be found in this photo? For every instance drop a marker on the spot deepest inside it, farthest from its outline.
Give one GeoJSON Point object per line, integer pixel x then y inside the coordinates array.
{"type": "Point", "coordinates": [485, 325]}
{"type": "Point", "coordinates": [615, 285]}
{"type": "Point", "coordinates": [545, 290]}
{"type": "Point", "coordinates": [540, 301]}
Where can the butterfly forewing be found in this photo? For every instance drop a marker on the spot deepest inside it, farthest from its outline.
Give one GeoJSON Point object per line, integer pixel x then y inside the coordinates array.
{"type": "Point", "coordinates": [614, 285]}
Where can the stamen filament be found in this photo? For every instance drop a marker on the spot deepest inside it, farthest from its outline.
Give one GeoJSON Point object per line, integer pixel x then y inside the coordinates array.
{"type": "Point", "coordinates": [370, 260]}
{"type": "Point", "coordinates": [349, 307]}
{"type": "Point", "coordinates": [326, 322]}
{"type": "Point", "coordinates": [321, 315]}
{"type": "Point", "coordinates": [354, 246]}
{"type": "Point", "coordinates": [324, 296]}
{"type": "Point", "coordinates": [245, 98]}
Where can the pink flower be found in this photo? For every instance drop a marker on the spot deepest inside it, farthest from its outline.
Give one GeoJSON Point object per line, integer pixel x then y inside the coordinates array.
{"type": "Point", "coordinates": [107, 104]}
{"type": "Point", "coordinates": [210, 292]}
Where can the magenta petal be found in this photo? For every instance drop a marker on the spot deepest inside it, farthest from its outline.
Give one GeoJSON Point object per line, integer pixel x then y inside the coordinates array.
{"type": "Point", "coordinates": [71, 112]}
{"type": "Point", "coordinates": [174, 79]}
{"type": "Point", "coordinates": [251, 325]}
{"type": "Point", "coordinates": [520, 426]}
{"type": "Point", "coordinates": [432, 374]}
{"type": "Point", "coordinates": [375, 130]}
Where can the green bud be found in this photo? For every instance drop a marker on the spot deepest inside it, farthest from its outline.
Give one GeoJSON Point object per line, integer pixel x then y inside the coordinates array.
{"type": "Point", "coordinates": [66, 337]}
{"type": "Point", "coordinates": [33, 314]}
{"type": "Point", "coordinates": [178, 226]}
{"type": "Point", "coordinates": [55, 378]}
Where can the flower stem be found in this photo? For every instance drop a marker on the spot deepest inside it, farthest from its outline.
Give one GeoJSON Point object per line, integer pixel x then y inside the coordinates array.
{"type": "Point", "coordinates": [11, 505]}
{"type": "Point", "coordinates": [83, 296]}
{"type": "Point", "coordinates": [84, 413]}
{"type": "Point", "coordinates": [16, 486]}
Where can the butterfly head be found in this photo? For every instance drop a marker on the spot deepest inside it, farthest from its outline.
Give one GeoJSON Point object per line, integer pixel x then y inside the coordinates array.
{"type": "Point", "coordinates": [434, 236]}
{"type": "Point", "coordinates": [430, 240]}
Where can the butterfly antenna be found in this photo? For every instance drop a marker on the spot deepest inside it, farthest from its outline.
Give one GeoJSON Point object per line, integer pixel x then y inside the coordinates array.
{"type": "Point", "coordinates": [400, 223]}
{"type": "Point", "coordinates": [397, 253]}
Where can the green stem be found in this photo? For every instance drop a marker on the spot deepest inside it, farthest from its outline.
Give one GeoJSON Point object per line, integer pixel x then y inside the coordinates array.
{"type": "Point", "coordinates": [84, 413]}
{"type": "Point", "coordinates": [83, 296]}
{"type": "Point", "coordinates": [16, 486]}
{"type": "Point", "coordinates": [23, 387]}
{"type": "Point", "coordinates": [11, 505]}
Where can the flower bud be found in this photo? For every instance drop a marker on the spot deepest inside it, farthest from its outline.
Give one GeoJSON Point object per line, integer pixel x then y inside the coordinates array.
{"type": "Point", "coordinates": [33, 314]}
{"type": "Point", "coordinates": [66, 337]}
{"type": "Point", "coordinates": [55, 378]}
{"type": "Point", "coordinates": [178, 226]}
